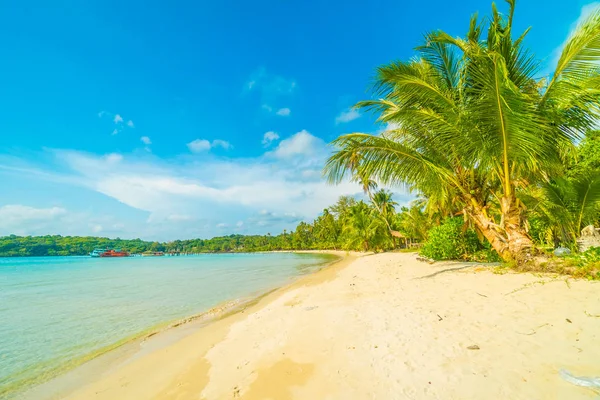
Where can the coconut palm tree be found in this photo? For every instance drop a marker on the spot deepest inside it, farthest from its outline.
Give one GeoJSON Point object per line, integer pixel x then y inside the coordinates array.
{"type": "Point", "coordinates": [327, 229]}
{"type": "Point", "coordinates": [341, 208]}
{"type": "Point", "coordinates": [567, 205]}
{"type": "Point", "coordinates": [362, 230]}
{"type": "Point", "coordinates": [471, 121]}
{"type": "Point", "coordinates": [384, 202]}
{"type": "Point", "coordinates": [413, 222]}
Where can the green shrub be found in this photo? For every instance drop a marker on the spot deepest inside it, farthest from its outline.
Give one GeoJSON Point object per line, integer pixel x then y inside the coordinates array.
{"type": "Point", "coordinates": [591, 256]}
{"type": "Point", "coordinates": [578, 265]}
{"type": "Point", "coordinates": [450, 241]}
{"type": "Point", "coordinates": [587, 264]}
{"type": "Point", "coordinates": [486, 254]}
{"type": "Point", "coordinates": [540, 231]}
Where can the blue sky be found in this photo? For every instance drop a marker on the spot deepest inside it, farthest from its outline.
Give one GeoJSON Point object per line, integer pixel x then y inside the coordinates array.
{"type": "Point", "coordinates": [194, 119]}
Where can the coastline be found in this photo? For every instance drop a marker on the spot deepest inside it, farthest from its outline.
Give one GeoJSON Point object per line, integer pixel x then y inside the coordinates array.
{"type": "Point", "coordinates": [380, 326]}
{"type": "Point", "coordinates": [80, 372]}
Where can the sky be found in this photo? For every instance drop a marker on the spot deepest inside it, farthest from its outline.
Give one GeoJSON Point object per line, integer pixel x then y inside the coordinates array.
{"type": "Point", "coordinates": [177, 120]}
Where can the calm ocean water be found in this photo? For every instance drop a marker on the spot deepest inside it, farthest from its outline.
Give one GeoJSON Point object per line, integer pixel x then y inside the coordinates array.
{"type": "Point", "coordinates": [55, 311]}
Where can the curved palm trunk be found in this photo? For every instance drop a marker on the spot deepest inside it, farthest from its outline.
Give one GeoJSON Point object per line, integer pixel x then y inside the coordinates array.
{"type": "Point", "coordinates": [519, 243]}
{"type": "Point", "coordinates": [509, 239]}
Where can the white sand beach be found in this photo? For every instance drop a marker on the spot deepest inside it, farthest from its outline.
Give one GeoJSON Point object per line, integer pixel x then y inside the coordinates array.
{"type": "Point", "coordinates": [382, 326]}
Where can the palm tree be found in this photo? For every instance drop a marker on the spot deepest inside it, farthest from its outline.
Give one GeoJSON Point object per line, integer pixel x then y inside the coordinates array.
{"type": "Point", "coordinates": [341, 208]}
{"type": "Point", "coordinates": [472, 122]}
{"type": "Point", "coordinates": [383, 201]}
{"type": "Point", "coordinates": [327, 229]}
{"type": "Point", "coordinates": [363, 231]}
{"type": "Point", "coordinates": [368, 185]}
{"type": "Point", "coordinates": [413, 223]}
{"type": "Point", "coordinates": [568, 205]}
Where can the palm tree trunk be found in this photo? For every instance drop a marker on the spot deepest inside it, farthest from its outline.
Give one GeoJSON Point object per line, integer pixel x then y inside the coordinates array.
{"type": "Point", "coordinates": [509, 239]}
{"type": "Point", "coordinates": [519, 242]}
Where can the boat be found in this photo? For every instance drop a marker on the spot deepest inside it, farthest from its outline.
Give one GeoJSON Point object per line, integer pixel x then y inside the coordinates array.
{"type": "Point", "coordinates": [153, 254]}
{"type": "Point", "coordinates": [97, 252]}
{"type": "Point", "coordinates": [115, 253]}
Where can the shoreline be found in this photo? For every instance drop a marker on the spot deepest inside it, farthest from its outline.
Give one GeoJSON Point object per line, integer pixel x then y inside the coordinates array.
{"type": "Point", "coordinates": [77, 373]}
{"type": "Point", "coordinates": [376, 326]}
{"type": "Point", "coordinates": [194, 254]}
{"type": "Point", "coordinates": [382, 326]}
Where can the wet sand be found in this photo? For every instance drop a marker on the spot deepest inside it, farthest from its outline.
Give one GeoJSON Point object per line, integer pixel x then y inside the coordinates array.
{"type": "Point", "coordinates": [382, 326]}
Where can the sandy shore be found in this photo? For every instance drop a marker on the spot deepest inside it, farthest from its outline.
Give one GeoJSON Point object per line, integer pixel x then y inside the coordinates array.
{"type": "Point", "coordinates": [381, 327]}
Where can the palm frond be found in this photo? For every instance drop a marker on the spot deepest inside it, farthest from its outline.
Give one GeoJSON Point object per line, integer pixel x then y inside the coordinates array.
{"type": "Point", "coordinates": [443, 58]}
{"type": "Point", "coordinates": [587, 189]}
{"type": "Point", "coordinates": [580, 54]}
{"type": "Point", "coordinates": [514, 132]}
{"type": "Point", "coordinates": [387, 161]}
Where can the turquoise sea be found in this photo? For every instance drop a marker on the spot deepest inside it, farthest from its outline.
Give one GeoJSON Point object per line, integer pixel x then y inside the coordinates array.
{"type": "Point", "coordinates": [57, 311]}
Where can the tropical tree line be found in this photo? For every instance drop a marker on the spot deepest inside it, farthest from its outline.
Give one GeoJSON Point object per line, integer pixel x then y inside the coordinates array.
{"type": "Point", "coordinates": [349, 224]}
{"type": "Point", "coordinates": [477, 130]}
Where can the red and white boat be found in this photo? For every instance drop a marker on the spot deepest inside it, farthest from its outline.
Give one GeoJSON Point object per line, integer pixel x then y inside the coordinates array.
{"type": "Point", "coordinates": [114, 253]}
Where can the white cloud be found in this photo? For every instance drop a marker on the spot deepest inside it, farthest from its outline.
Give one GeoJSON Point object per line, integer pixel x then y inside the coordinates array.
{"type": "Point", "coordinates": [209, 187]}
{"type": "Point", "coordinates": [199, 145]}
{"type": "Point", "coordinates": [22, 220]}
{"type": "Point", "coordinates": [269, 86]}
{"type": "Point", "coordinates": [267, 218]}
{"type": "Point", "coordinates": [269, 137]}
{"type": "Point", "coordinates": [113, 158]}
{"type": "Point", "coordinates": [221, 143]}
{"type": "Point", "coordinates": [284, 112]}
{"type": "Point", "coordinates": [347, 116]}
{"type": "Point", "coordinates": [300, 144]}
{"type": "Point", "coordinates": [179, 217]}
{"type": "Point", "coordinates": [239, 224]}
{"type": "Point", "coordinates": [20, 212]}
{"type": "Point", "coordinates": [97, 228]}
{"type": "Point", "coordinates": [222, 225]}
{"type": "Point", "coordinates": [146, 140]}
{"type": "Point", "coordinates": [117, 120]}
{"type": "Point", "coordinates": [311, 173]}
{"type": "Point", "coordinates": [390, 126]}
{"type": "Point", "coordinates": [186, 197]}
